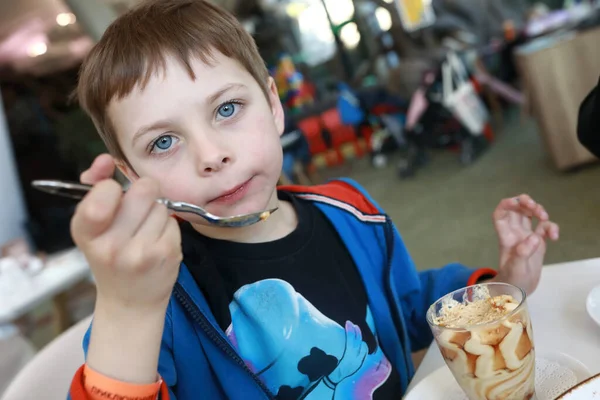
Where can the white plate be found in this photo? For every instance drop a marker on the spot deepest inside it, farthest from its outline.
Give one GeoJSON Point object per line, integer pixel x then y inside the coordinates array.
{"type": "Point", "coordinates": [441, 385]}
{"type": "Point", "coordinates": [587, 390]}
{"type": "Point", "coordinates": [593, 304]}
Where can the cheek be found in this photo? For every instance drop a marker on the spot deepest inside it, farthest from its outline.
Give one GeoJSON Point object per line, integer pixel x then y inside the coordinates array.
{"type": "Point", "coordinates": [177, 189]}
{"type": "Point", "coordinates": [263, 144]}
{"type": "Point", "coordinates": [175, 180]}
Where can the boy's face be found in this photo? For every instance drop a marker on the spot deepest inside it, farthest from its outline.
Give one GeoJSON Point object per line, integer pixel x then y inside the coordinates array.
{"type": "Point", "coordinates": [213, 141]}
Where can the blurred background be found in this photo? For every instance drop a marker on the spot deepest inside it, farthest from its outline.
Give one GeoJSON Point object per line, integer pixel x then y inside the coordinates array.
{"type": "Point", "coordinates": [440, 108]}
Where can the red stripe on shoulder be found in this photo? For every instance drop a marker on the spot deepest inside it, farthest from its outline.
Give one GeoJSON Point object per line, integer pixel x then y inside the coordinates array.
{"type": "Point", "coordinates": [340, 191]}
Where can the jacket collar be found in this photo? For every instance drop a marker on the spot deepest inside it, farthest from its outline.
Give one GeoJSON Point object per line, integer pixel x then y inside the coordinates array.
{"type": "Point", "coordinates": [343, 195]}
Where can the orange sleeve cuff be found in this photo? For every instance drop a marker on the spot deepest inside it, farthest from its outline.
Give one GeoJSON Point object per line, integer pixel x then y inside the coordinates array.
{"type": "Point", "coordinates": [481, 273]}
{"type": "Point", "coordinates": [101, 387]}
{"type": "Point", "coordinates": [91, 385]}
{"type": "Point", "coordinates": [77, 391]}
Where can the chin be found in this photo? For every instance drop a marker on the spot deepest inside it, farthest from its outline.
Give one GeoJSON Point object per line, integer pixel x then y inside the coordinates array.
{"type": "Point", "coordinates": [249, 205]}
{"type": "Point", "coordinates": [258, 198]}
{"type": "Point", "coordinates": [229, 211]}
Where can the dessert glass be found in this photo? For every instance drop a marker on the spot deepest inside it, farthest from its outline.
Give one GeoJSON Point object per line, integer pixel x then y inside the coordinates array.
{"type": "Point", "coordinates": [485, 336]}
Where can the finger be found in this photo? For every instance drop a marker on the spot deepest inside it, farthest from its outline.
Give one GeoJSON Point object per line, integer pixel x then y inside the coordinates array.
{"type": "Point", "coordinates": [544, 216]}
{"type": "Point", "coordinates": [135, 208]}
{"type": "Point", "coordinates": [102, 168]}
{"type": "Point", "coordinates": [172, 234]}
{"type": "Point", "coordinates": [540, 213]}
{"type": "Point", "coordinates": [548, 229]}
{"type": "Point", "coordinates": [527, 247]}
{"type": "Point", "coordinates": [520, 204]}
{"type": "Point", "coordinates": [533, 208]}
{"type": "Point", "coordinates": [154, 225]}
{"type": "Point", "coordinates": [364, 350]}
{"type": "Point", "coordinates": [356, 338]}
{"type": "Point", "coordinates": [358, 333]}
{"type": "Point", "coordinates": [510, 214]}
{"type": "Point", "coordinates": [353, 332]}
{"type": "Point", "coordinates": [520, 219]}
{"type": "Point", "coordinates": [168, 245]}
{"type": "Point", "coordinates": [523, 205]}
{"type": "Point", "coordinates": [96, 212]}
{"type": "Point", "coordinates": [526, 206]}
{"type": "Point", "coordinates": [524, 200]}
{"type": "Point", "coordinates": [350, 333]}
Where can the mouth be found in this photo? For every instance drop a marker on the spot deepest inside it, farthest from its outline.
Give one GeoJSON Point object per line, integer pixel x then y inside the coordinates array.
{"type": "Point", "coordinates": [233, 195]}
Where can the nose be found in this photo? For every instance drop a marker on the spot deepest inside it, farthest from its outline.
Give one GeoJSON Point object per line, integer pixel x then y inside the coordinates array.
{"type": "Point", "coordinates": [212, 156]}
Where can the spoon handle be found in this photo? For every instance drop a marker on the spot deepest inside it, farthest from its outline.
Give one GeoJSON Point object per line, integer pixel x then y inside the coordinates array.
{"type": "Point", "coordinates": [65, 189]}
{"type": "Point", "coordinates": [78, 191]}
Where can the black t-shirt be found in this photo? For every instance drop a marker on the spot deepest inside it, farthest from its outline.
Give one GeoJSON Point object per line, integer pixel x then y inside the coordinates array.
{"type": "Point", "coordinates": [296, 310]}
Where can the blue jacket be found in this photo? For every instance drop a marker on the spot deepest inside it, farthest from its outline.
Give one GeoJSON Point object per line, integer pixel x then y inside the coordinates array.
{"type": "Point", "coordinates": [197, 360]}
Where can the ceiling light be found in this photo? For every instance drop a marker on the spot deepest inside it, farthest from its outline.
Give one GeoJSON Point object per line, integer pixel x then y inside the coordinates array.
{"type": "Point", "coordinates": [64, 19]}
{"type": "Point", "coordinates": [37, 49]}
{"type": "Point", "coordinates": [384, 18]}
{"type": "Point", "coordinates": [350, 35]}
{"type": "Point", "coordinates": [341, 12]}
{"type": "Point", "coordinates": [294, 10]}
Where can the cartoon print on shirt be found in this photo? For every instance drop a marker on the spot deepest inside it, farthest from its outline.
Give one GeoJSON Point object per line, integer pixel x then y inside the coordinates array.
{"type": "Point", "coordinates": [298, 352]}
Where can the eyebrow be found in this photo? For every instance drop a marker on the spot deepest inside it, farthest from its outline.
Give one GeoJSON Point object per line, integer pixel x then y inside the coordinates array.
{"type": "Point", "coordinates": [164, 124]}
{"type": "Point", "coordinates": [215, 96]}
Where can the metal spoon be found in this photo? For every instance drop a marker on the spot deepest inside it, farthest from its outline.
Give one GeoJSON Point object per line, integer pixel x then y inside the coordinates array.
{"type": "Point", "coordinates": [78, 190]}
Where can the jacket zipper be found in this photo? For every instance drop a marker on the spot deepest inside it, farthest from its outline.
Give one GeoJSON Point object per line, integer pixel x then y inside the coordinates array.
{"type": "Point", "coordinates": [224, 345]}
{"type": "Point", "coordinates": [389, 241]}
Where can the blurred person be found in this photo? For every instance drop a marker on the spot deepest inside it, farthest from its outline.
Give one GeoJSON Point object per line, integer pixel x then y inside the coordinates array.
{"type": "Point", "coordinates": [321, 300]}
{"type": "Point", "coordinates": [36, 150]}
{"type": "Point", "coordinates": [24, 115]}
{"type": "Point", "coordinates": [588, 127]}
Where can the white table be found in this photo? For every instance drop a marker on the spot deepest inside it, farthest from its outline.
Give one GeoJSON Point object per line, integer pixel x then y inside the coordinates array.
{"type": "Point", "coordinates": [60, 273]}
{"type": "Point", "coordinates": [559, 317]}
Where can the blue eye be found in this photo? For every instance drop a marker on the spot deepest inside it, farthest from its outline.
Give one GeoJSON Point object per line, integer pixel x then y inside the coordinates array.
{"type": "Point", "coordinates": [162, 144]}
{"type": "Point", "coordinates": [227, 110]}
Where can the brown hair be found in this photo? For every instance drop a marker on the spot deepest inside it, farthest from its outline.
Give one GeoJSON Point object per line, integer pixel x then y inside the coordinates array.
{"type": "Point", "coordinates": [136, 45]}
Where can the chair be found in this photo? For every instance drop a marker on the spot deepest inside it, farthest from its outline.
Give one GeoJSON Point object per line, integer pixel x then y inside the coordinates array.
{"type": "Point", "coordinates": [341, 134]}
{"type": "Point", "coordinates": [313, 132]}
{"type": "Point", "coordinates": [48, 376]}
{"type": "Point", "coordinates": [16, 352]}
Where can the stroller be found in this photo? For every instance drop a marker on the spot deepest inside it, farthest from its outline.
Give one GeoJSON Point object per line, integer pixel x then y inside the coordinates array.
{"type": "Point", "coordinates": [446, 112]}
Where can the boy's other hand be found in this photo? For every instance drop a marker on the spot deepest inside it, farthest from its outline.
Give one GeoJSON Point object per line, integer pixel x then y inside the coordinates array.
{"type": "Point", "coordinates": [522, 243]}
{"type": "Point", "coordinates": [102, 168]}
{"type": "Point", "coordinates": [132, 244]}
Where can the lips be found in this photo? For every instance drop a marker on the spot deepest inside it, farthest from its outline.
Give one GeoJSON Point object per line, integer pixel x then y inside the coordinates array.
{"type": "Point", "coordinates": [233, 195]}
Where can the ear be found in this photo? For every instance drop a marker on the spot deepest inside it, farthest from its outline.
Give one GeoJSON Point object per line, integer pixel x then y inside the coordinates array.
{"type": "Point", "coordinates": [276, 107]}
{"type": "Point", "coordinates": [127, 170]}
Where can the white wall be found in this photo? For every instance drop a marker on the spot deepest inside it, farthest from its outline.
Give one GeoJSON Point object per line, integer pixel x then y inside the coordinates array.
{"type": "Point", "coordinates": [94, 15]}
{"type": "Point", "coordinates": [12, 207]}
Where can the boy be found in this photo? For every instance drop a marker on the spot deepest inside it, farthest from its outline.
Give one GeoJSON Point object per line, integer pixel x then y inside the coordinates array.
{"type": "Point", "coordinates": [320, 301]}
